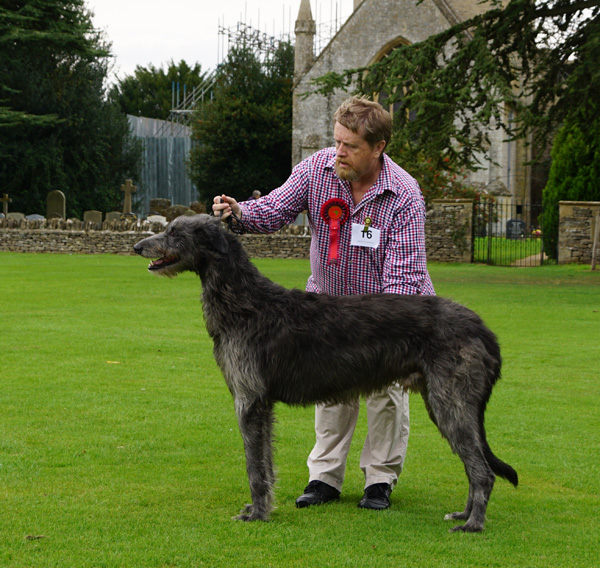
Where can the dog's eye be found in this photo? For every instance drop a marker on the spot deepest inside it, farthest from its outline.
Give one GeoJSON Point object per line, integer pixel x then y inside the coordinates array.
{"type": "Point", "coordinates": [173, 232]}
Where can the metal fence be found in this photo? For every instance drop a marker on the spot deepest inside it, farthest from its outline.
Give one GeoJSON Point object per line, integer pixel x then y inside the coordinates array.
{"type": "Point", "coordinates": [507, 234]}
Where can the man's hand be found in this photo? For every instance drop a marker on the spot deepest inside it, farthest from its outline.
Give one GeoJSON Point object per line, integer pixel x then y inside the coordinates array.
{"type": "Point", "coordinates": [223, 206]}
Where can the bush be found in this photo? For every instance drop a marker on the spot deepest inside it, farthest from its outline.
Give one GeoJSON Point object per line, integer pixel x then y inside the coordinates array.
{"type": "Point", "coordinates": [574, 174]}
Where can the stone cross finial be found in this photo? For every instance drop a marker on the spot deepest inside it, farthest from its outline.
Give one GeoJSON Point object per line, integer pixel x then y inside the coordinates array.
{"type": "Point", "coordinates": [128, 188]}
{"type": "Point", "coordinates": [5, 201]}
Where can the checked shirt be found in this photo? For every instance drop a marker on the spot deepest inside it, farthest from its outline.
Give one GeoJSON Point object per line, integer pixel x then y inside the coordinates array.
{"type": "Point", "coordinates": [395, 206]}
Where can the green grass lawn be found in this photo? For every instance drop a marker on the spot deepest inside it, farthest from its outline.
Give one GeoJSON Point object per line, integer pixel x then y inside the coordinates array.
{"type": "Point", "coordinates": [119, 445]}
{"type": "Point", "coordinates": [503, 251]}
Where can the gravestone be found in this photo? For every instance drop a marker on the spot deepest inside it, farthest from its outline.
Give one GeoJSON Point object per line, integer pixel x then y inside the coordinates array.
{"type": "Point", "coordinates": [128, 188]}
{"type": "Point", "coordinates": [113, 216]}
{"type": "Point", "coordinates": [5, 201]}
{"type": "Point", "coordinates": [15, 215]}
{"type": "Point", "coordinates": [35, 217]}
{"type": "Point", "coordinates": [157, 219]}
{"type": "Point", "coordinates": [56, 205]}
{"type": "Point", "coordinates": [515, 229]}
{"type": "Point", "coordinates": [92, 216]}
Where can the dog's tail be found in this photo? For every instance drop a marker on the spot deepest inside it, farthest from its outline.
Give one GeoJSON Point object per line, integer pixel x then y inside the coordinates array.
{"type": "Point", "coordinates": [499, 467]}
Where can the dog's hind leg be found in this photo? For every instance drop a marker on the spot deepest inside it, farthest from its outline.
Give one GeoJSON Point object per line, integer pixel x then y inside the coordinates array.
{"type": "Point", "coordinates": [256, 425]}
{"type": "Point", "coordinates": [458, 422]}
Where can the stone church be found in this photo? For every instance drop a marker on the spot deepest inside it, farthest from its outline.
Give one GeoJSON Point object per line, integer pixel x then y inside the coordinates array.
{"type": "Point", "coordinates": [374, 28]}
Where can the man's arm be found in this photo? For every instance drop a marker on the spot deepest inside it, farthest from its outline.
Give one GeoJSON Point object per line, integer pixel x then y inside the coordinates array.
{"type": "Point", "coordinates": [271, 212]}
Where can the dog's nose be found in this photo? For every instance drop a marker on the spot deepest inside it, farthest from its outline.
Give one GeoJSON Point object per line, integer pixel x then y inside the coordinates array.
{"type": "Point", "coordinates": [138, 248]}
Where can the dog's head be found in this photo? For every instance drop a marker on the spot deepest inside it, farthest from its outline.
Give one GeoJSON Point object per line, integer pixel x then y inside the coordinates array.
{"type": "Point", "coordinates": [183, 245]}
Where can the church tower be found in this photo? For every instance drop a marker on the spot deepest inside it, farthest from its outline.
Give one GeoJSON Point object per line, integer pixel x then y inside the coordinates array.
{"type": "Point", "coordinates": [305, 29]}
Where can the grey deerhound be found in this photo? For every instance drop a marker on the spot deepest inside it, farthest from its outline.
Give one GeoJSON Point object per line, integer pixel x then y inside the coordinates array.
{"type": "Point", "coordinates": [274, 344]}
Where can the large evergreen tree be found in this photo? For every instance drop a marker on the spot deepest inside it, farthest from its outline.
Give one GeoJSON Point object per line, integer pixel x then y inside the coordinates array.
{"type": "Point", "coordinates": [57, 130]}
{"type": "Point", "coordinates": [243, 136]}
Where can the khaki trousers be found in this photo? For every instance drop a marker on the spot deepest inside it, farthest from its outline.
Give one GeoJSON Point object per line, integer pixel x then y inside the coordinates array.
{"type": "Point", "coordinates": [384, 449]}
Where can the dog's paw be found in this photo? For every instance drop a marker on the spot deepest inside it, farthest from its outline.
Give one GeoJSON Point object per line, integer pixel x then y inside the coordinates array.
{"type": "Point", "coordinates": [247, 518]}
{"type": "Point", "coordinates": [245, 514]}
{"type": "Point", "coordinates": [458, 516]}
{"type": "Point", "coordinates": [248, 514]}
{"type": "Point", "coordinates": [470, 528]}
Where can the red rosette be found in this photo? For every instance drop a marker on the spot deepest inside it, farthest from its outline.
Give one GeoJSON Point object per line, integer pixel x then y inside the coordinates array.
{"type": "Point", "coordinates": [335, 213]}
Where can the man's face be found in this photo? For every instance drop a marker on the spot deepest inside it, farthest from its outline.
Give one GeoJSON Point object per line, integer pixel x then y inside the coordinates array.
{"type": "Point", "coordinates": [355, 158]}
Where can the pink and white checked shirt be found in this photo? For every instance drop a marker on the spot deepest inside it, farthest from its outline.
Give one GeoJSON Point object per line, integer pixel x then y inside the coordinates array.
{"type": "Point", "coordinates": [394, 204]}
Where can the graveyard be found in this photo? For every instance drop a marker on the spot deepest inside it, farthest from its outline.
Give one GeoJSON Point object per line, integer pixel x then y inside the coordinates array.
{"type": "Point", "coordinates": [452, 231]}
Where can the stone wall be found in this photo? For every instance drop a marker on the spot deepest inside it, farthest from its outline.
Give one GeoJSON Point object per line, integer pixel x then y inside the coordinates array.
{"type": "Point", "coordinates": [448, 236]}
{"type": "Point", "coordinates": [577, 224]}
{"type": "Point", "coordinates": [69, 242]}
{"type": "Point", "coordinates": [449, 230]}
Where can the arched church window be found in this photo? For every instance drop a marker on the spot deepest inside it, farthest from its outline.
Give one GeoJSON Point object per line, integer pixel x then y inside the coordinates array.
{"type": "Point", "coordinates": [383, 97]}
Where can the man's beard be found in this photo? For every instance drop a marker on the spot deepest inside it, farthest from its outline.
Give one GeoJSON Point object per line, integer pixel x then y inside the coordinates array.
{"type": "Point", "coordinates": [347, 173]}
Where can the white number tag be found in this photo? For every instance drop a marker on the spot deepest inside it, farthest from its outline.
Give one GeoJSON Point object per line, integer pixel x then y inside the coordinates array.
{"type": "Point", "coordinates": [365, 236]}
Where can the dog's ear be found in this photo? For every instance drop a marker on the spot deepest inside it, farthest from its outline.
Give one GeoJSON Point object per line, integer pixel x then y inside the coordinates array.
{"type": "Point", "coordinates": [216, 237]}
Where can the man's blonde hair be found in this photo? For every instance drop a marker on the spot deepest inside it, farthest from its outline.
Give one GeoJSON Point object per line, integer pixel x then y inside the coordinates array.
{"type": "Point", "coordinates": [365, 117]}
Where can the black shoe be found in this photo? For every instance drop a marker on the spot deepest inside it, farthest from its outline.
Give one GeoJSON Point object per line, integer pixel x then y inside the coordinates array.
{"type": "Point", "coordinates": [377, 496]}
{"type": "Point", "coordinates": [317, 493]}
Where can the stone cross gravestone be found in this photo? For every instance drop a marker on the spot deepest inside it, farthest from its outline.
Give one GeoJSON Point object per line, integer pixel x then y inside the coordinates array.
{"type": "Point", "coordinates": [128, 188]}
{"type": "Point", "coordinates": [56, 205]}
{"type": "Point", "coordinates": [5, 201]}
{"type": "Point", "coordinates": [92, 216]}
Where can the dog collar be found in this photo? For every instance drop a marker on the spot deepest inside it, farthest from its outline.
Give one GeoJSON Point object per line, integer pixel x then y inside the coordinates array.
{"type": "Point", "coordinates": [335, 213]}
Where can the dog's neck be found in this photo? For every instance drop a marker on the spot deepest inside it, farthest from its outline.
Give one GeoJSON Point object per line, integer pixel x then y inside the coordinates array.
{"type": "Point", "coordinates": [230, 291]}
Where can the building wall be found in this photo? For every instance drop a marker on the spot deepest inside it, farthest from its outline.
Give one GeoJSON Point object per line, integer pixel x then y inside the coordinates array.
{"type": "Point", "coordinates": [373, 28]}
{"type": "Point", "coordinates": [374, 25]}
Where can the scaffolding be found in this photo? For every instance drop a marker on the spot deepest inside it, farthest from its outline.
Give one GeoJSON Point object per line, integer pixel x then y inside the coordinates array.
{"type": "Point", "coordinates": [184, 102]}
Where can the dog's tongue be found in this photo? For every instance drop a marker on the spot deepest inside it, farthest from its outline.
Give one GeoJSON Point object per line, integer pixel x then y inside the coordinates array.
{"type": "Point", "coordinates": [159, 262]}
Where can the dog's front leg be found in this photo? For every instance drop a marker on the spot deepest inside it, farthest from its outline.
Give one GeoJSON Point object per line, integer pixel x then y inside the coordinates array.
{"type": "Point", "coordinates": [255, 419]}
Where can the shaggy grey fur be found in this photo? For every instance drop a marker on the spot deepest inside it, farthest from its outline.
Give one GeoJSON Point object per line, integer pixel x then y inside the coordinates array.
{"type": "Point", "coordinates": [274, 344]}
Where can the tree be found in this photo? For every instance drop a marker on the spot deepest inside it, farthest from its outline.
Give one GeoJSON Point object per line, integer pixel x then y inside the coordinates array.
{"type": "Point", "coordinates": [575, 171]}
{"type": "Point", "coordinates": [243, 136]}
{"type": "Point", "coordinates": [538, 57]}
{"type": "Point", "coordinates": [148, 92]}
{"type": "Point", "coordinates": [57, 130]}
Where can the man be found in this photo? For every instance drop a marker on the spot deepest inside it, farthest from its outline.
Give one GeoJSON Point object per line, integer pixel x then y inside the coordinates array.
{"type": "Point", "coordinates": [367, 219]}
